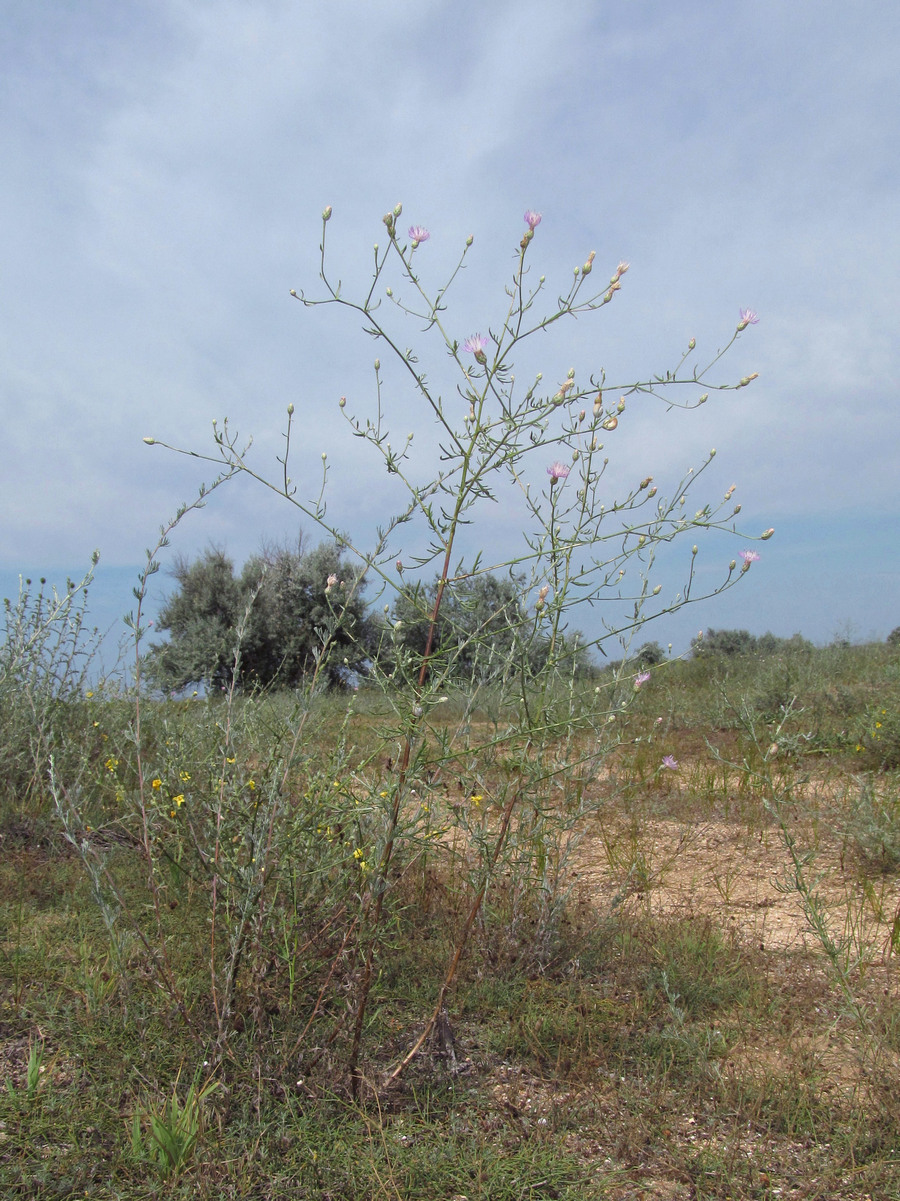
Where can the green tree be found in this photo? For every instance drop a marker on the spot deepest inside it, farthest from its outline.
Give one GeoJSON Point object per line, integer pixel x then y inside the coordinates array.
{"type": "Point", "coordinates": [286, 611]}
{"type": "Point", "coordinates": [484, 630]}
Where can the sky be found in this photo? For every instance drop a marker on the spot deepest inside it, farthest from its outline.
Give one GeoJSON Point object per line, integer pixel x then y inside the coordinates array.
{"type": "Point", "coordinates": [165, 167]}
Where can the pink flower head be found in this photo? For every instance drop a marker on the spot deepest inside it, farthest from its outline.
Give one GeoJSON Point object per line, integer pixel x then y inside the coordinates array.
{"type": "Point", "coordinates": [749, 556]}
{"type": "Point", "coordinates": [418, 233]}
{"type": "Point", "coordinates": [641, 678]}
{"type": "Point", "coordinates": [532, 219]}
{"type": "Point", "coordinates": [558, 471]}
{"type": "Point", "coordinates": [670, 762]}
{"type": "Point", "coordinates": [747, 317]}
{"type": "Point", "coordinates": [476, 345]}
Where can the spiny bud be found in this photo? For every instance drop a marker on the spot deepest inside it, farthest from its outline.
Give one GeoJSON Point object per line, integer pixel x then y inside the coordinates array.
{"type": "Point", "coordinates": [326, 213]}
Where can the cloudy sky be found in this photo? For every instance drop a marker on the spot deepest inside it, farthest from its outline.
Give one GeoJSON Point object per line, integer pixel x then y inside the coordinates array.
{"type": "Point", "coordinates": [165, 165]}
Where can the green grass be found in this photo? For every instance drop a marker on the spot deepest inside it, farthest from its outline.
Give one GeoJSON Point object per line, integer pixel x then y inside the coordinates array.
{"type": "Point", "coordinates": [647, 1049]}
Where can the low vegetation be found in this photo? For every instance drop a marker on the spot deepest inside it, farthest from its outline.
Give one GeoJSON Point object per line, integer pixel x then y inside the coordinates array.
{"type": "Point", "coordinates": [680, 980]}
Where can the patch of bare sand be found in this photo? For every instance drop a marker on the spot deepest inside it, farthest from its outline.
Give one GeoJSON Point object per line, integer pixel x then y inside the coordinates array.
{"type": "Point", "coordinates": [743, 880]}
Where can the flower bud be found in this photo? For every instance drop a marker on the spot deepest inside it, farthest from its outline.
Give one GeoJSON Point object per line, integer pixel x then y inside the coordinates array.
{"type": "Point", "coordinates": [695, 549]}
{"type": "Point", "coordinates": [342, 403]}
{"type": "Point", "coordinates": [324, 456]}
{"type": "Point", "coordinates": [692, 345]}
{"type": "Point", "coordinates": [398, 209]}
{"type": "Point", "coordinates": [703, 399]}
{"type": "Point", "coordinates": [646, 483]}
{"type": "Point", "coordinates": [469, 240]}
{"type": "Point", "coordinates": [652, 491]}
{"type": "Point", "coordinates": [610, 423]}
{"type": "Point", "coordinates": [767, 535]}
{"type": "Point", "coordinates": [390, 291]}
{"type": "Point", "coordinates": [620, 407]}
{"type": "Point", "coordinates": [598, 404]}
{"type": "Point", "coordinates": [378, 364]}
{"type": "Point", "coordinates": [290, 410]}
{"type": "Point", "coordinates": [326, 213]}
{"type": "Point", "coordinates": [150, 441]}
{"type": "Point", "coordinates": [732, 565]}
{"type": "Point", "coordinates": [657, 590]}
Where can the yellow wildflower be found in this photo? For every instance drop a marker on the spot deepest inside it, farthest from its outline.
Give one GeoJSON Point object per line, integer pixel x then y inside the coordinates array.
{"type": "Point", "coordinates": [179, 800]}
{"type": "Point", "coordinates": [157, 783]}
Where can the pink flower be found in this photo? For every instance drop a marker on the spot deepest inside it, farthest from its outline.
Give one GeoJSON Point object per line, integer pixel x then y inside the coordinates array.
{"type": "Point", "coordinates": [418, 233]}
{"type": "Point", "coordinates": [641, 678]}
{"type": "Point", "coordinates": [558, 471]}
{"type": "Point", "coordinates": [476, 345]}
{"type": "Point", "coordinates": [670, 762]}
{"type": "Point", "coordinates": [749, 556]}
{"type": "Point", "coordinates": [532, 219]}
{"type": "Point", "coordinates": [747, 317]}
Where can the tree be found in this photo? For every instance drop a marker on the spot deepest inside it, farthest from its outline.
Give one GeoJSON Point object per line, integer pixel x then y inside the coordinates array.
{"type": "Point", "coordinates": [483, 629]}
{"type": "Point", "coordinates": [285, 612]}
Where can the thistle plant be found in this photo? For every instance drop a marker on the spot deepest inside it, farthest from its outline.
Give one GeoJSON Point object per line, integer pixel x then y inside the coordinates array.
{"type": "Point", "coordinates": [473, 800]}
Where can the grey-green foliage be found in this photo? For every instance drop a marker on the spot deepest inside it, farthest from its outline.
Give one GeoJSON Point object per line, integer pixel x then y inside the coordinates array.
{"type": "Point", "coordinates": [277, 621]}
{"type": "Point", "coordinates": [45, 659]}
{"type": "Point", "coordinates": [484, 629]}
{"type": "Point", "coordinates": [742, 642]}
